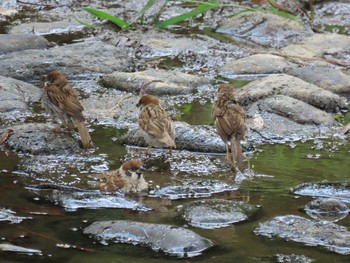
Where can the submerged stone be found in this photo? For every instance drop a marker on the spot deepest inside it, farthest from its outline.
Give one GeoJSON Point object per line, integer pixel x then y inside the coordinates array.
{"type": "Point", "coordinates": [9, 215]}
{"type": "Point", "coordinates": [215, 213]}
{"type": "Point", "coordinates": [18, 249]}
{"type": "Point", "coordinates": [172, 240]}
{"type": "Point", "coordinates": [193, 189]}
{"type": "Point", "coordinates": [333, 237]}
{"type": "Point", "coordinates": [328, 209]}
{"type": "Point", "coordinates": [73, 198]}
{"type": "Point", "coordinates": [339, 190]}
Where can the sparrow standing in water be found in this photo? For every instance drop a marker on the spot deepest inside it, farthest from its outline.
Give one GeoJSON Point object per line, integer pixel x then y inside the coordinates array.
{"type": "Point", "coordinates": [60, 99]}
{"type": "Point", "coordinates": [156, 124]}
{"type": "Point", "coordinates": [229, 120]}
{"type": "Point", "coordinates": [128, 178]}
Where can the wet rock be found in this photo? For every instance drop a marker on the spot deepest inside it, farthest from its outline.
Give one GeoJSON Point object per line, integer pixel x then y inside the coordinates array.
{"type": "Point", "coordinates": [337, 190]}
{"type": "Point", "coordinates": [18, 249]}
{"type": "Point", "coordinates": [9, 215]}
{"type": "Point", "coordinates": [293, 109]}
{"type": "Point", "coordinates": [172, 240]}
{"type": "Point", "coordinates": [328, 209]}
{"type": "Point", "coordinates": [192, 189]}
{"type": "Point", "coordinates": [5, 12]}
{"type": "Point", "coordinates": [91, 56]}
{"type": "Point", "coordinates": [318, 46]}
{"type": "Point", "coordinates": [53, 27]}
{"type": "Point", "coordinates": [324, 77]}
{"type": "Point", "coordinates": [309, 232]}
{"type": "Point", "coordinates": [335, 13]}
{"type": "Point", "coordinates": [292, 258]}
{"type": "Point", "coordinates": [73, 198]}
{"type": "Point", "coordinates": [163, 82]}
{"type": "Point", "coordinates": [16, 97]}
{"type": "Point", "coordinates": [255, 64]}
{"type": "Point", "coordinates": [281, 84]}
{"type": "Point", "coordinates": [215, 213]}
{"type": "Point", "coordinates": [17, 42]}
{"type": "Point", "coordinates": [264, 29]}
{"type": "Point", "coordinates": [201, 138]}
{"type": "Point", "coordinates": [40, 139]}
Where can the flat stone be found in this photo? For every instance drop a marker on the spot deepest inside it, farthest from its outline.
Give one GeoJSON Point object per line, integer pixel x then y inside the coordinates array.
{"type": "Point", "coordinates": [17, 42]}
{"type": "Point", "coordinates": [282, 84]}
{"type": "Point", "coordinates": [91, 56]}
{"type": "Point", "coordinates": [328, 209]}
{"type": "Point", "coordinates": [328, 235]}
{"type": "Point", "coordinates": [163, 82]}
{"type": "Point", "coordinates": [264, 29]}
{"type": "Point", "coordinates": [39, 139]}
{"type": "Point", "coordinates": [52, 27]}
{"type": "Point", "coordinates": [215, 213]}
{"type": "Point", "coordinates": [171, 240]}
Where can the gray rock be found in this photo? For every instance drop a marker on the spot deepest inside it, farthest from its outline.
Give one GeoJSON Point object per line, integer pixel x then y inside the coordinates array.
{"type": "Point", "coordinates": [9, 215]}
{"type": "Point", "coordinates": [309, 232]}
{"type": "Point", "coordinates": [339, 190]}
{"type": "Point", "coordinates": [281, 84]}
{"type": "Point", "coordinates": [91, 56]}
{"type": "Point", "coordinates": [295, 110]}
{"type": "Point", "coordinates": [328, 209]}
{"type": "Point", "coordinates": [317, 45]}
{"type": "Point", "coordinates": [73, 198]}
{"type": "Point", "coordinates": [327, 78]}
{"type": "Point", "coordinates": [39, 139]}
{"type": "Point", "coordinates": [52, 27]}
{"type": "Point", "coordinates": [192, 189]}
{"type": "Point", "coordinates": [17, 42]}
{"type": "Point", "coordinates": [163, 82]}
{"type": "Point", "coordinates": [172, 240]}
{"type": "Point", "coordinates": [16, 97]}
{"type": "Point", "coordinates": [255, 64]}
{"type": "Point", "coordinates": [201, 138]}
{"type": "Point", "coordinates": [264, 29]}
{"type": "Point", "coordinates": [292, 258]}
{"type": "Point", "coordinates": [215, 213]}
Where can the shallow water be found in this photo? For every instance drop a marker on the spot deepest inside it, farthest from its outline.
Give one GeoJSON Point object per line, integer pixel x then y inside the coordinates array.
{"type": "Point", "coordinates": [58, 233]}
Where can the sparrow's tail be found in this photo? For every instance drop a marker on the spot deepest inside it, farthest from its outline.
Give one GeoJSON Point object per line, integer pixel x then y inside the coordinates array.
{"type": "Point", "coordinates": [236, 153]}
{"type": "Point", "coordinates": [84, 135]}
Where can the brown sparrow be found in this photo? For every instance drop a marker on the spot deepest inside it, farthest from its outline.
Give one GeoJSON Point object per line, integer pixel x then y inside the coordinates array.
{"type": "Point", "coordinates": [61, 99]}
{"type": "Point", "coordinates": [229, 120]}
{"type": "Point", "coordinates": [155, 123]}
{"type": "Point", "coordinates": [128, 178]}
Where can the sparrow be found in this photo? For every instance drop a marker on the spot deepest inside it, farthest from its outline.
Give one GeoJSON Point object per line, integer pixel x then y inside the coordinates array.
{"type": "Point", "coordinates": [155, 123]}
{"type": "Point", "coordinates": [128, 178]}
{"type": "Point", "coordinates": [60, 99]}
{"type": "Point", "coordinates": [229, 120]}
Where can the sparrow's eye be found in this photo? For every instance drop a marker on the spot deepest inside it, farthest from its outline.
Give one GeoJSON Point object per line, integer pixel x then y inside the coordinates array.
{"type": "Point", "coordinates": [133, 169]}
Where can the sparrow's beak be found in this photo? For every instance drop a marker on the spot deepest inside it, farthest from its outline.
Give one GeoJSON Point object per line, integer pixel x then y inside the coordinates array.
{"type": "Point", "coordinates": [139, 172]}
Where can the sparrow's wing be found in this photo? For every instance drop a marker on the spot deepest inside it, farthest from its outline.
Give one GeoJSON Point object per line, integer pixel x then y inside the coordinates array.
{"type": "Point", "coordinates": [112, 181]}
{"type": "Point", "coordinates": [155, 121]}
{"type": "Point", "coordinates": [232, 122]}
{"type": "Point", "coordinates": [66, 98]}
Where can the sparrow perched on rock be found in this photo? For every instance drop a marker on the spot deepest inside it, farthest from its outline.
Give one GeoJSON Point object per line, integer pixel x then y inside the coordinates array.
{"type": "Point", "coordinates": [60, 99]}
{"type": "Point", "coordinates": [229, 119]}
{"type": "Point", "coordinates": [155, 123]}
{"type": "Point", "coordinates": [128, 178]}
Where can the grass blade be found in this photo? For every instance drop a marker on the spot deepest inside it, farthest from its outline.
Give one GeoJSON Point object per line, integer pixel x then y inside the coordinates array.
{"type": "Point", "coordinates": [103, 15]}
{"type": "Point", "coordinates": [201, 8]}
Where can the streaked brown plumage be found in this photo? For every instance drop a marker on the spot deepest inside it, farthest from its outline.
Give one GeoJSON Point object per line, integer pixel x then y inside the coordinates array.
{"type": "Point", "coordinates": [156, 124]}
{"type": "Point", "coordinates": [128, 178]}
{"type": "Point", "coordinates": [229, 119]}
{"type": "Point", "coordinates": [61, 99]}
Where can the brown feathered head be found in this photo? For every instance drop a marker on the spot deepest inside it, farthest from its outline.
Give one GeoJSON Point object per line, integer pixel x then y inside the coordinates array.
{"type": "Point", "coordinates": [226, 88]}
{"type": "Point", "coordinates": [55, 75]}
{"type": "Point", "coordinates": [133, 166]}
{"type": "Point", "coordinates": [148, 99]}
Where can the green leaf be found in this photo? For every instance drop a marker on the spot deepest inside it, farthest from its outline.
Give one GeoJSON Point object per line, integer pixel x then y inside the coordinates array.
{"type": "Point", "coordinates": [147, 6]}
{"type": "Point", "coordinates": [103, 15]}
{"type": "Point", "coordinates": [201, 8]}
